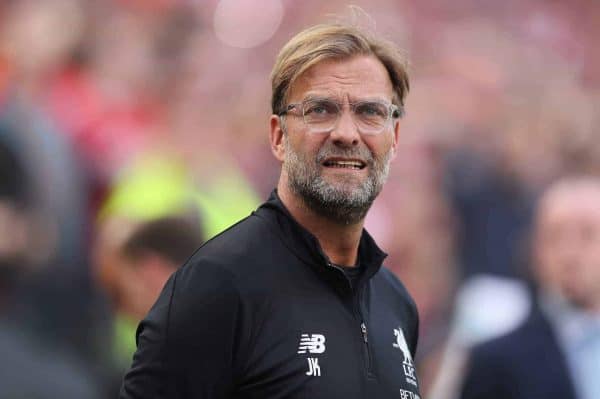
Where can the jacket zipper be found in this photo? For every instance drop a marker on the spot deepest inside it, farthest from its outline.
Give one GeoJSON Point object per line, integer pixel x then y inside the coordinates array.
{"type": "Point", "coordinates": [363, 326]}
{"type": "Point", "coordinates": [367, 352]}
{"type": "Point", "coordinates": [365, 336]}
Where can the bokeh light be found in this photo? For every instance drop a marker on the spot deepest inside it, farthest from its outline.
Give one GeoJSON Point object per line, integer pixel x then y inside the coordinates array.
{"type": "Point", "coordinates": [240, 23]}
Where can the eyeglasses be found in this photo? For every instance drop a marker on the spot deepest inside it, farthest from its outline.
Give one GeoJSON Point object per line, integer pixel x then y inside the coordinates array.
{"type": "Point", "coordinates": [322, 114]}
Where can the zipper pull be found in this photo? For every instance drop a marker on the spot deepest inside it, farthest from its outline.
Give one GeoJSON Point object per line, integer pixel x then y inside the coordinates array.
{"type": "Point", "coordinates": [363, 328]}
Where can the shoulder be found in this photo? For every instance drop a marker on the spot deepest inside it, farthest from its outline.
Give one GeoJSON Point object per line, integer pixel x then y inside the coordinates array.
{"type": "Point", "coordinates": [245, 258]}
{"type": "Point", "coordinates": [532, 334]}
{"type": "Point", "coordinates": [387, 277]}
{"type": "Point", "coordinates": [526, 362]}
{"type": "Point", "coordinates": [211, 274]}
{"type": "Point", "coordinates": [489, 370]}
{"type": "Point", "coordinates": [389, 290]}
{"type": "Point", "coordinates": [232, 252]}
{"type": "Point", "coordinates": [497, 351]}
{"type": "Point", "coordinates": [237, 240]}
{"type": "Point", "coordinates": [391, 286]}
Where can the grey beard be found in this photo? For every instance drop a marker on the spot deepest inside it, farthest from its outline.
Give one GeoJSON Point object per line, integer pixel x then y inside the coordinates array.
{"type": "Point", "coordinates": [334, 201]}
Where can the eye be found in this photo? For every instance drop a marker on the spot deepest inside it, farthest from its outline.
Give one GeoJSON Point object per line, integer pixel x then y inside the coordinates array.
{"type": "Point", "coordinates": [371, 110]}
{"type": "Point", "coordinates": [320, 108]}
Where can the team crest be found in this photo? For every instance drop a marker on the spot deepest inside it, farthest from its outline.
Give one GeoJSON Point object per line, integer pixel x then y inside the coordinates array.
{"type": "Point", "coordinates": [407, 364]}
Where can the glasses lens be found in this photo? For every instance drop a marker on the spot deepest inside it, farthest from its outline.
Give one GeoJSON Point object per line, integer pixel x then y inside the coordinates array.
{"type": "Point", "coordinates": [320, 114]}
{"type": "Point", "coordinates": [371, 117]}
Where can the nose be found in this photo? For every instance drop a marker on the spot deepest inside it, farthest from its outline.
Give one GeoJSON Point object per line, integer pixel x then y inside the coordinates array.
{"type": "Point", "coordinates": [345, 133]}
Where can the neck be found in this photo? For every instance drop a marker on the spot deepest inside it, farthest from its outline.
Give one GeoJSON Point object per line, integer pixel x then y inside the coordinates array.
{"type": "Point", "coordinates": [338, 241]}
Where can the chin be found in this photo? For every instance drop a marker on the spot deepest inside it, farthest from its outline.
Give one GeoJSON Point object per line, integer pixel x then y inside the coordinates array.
{"type": "Point", "coordinates": [577, 298]}
{"type": "Point", "coordinates": [346, 183]}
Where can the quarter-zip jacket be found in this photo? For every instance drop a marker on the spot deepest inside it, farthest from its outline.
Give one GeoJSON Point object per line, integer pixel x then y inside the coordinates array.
{"type": "Point", "coordinates": [260, 312]}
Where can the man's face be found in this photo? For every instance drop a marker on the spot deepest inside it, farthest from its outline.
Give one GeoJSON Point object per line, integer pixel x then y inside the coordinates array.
{"type": "Point", "coordinates": [339, 173]}
{"type": "Point", "coordinates": [568, 246]}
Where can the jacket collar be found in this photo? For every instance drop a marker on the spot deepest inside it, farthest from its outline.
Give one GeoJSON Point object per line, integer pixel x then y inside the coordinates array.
{"type": "Point", "coordinates": [306, 246]}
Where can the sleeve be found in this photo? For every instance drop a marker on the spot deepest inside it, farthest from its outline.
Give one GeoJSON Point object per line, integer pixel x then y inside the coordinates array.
{"type": "Point", "coordinates": [186, 344]}
{"type": "Point", "coordinates": [415, 334]}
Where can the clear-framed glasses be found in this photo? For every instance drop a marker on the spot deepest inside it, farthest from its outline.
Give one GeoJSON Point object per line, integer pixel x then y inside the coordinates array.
{"type": "Point", "coordinates": [322, 114]}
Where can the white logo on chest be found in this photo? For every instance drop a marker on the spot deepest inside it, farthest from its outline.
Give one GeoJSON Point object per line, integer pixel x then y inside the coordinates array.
{"type": "Point", "coordinates": [407, 364]}
{"type": "Point", "coordinates": [312, 343]}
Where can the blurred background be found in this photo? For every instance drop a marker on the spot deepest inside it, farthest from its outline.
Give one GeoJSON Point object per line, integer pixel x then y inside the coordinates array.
{"type": "Point", "coordinates": [126, 123]}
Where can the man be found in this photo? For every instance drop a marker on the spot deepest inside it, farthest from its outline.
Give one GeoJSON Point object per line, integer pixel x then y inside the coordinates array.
{"type": "Point", "coordinates": [292, 302]}
{"type": "Point", "coordinates": [142, 265]}
{"type": "Point", "coordinates": [556, 352]}
{"type": "Point", "coordinates": [154, 251]}
{"type": "Point", "coordinates": [29, 367]}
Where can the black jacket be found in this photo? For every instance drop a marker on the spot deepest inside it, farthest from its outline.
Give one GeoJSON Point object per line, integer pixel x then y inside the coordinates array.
{"type": "Point", "coordinates": [527, 363]}
{"type": "Point", "coordinates": [259, 312]}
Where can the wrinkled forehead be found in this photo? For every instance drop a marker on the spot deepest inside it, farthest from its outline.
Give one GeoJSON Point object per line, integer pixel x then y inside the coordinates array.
{"type": "Point", "coordinates": [353, 79]}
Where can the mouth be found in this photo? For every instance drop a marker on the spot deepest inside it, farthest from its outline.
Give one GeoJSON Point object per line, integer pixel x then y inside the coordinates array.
{"type": "Point", "coordinates": [340, 163]}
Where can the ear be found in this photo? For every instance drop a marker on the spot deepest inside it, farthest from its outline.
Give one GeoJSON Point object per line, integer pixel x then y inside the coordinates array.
{"type": "Point", "coordinates": [276, 137]}
{"type": "Point", "coordinates": [395, 138]}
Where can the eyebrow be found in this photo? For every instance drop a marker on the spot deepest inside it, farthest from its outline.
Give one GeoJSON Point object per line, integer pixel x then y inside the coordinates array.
{"type": "Point", "coordinates": [312, 97]}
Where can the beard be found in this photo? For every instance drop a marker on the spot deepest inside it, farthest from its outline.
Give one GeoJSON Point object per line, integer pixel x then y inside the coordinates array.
{"type": "Point", "coordinates": [345, 201]}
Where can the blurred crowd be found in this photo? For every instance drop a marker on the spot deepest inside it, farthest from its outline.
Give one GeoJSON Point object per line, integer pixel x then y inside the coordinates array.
{"type": "Point", "coordinates": [127, 123]}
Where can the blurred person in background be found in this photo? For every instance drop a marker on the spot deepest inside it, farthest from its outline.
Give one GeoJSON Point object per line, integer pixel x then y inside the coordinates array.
{"type": "Point", "coordinates": [149, 190]}
{"type": "Point", "coordinates": [147, 258]}
{"type": "Point", "coordinates": [56, 194]}
{"type": "Point", "coordinates": [293, 301]}
{"type": "Point", "coordinates": [29, 367]}
{"type": "Point", "coordinates": [154, 186]}
{"type": "Point", "coordinates": [56, 302]}
{"type": "Point", "coordinates": [556, 351]}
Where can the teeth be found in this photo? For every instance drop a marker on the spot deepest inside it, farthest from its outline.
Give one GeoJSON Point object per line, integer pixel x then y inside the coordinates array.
{"type": "Point", "coordinates": [345, 164]}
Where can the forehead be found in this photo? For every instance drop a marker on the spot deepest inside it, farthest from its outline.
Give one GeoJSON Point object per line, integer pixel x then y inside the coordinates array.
{"type": "Point", "coordinates": [579, 205]}
{"type": "Point", "coordinates": [359, 77]}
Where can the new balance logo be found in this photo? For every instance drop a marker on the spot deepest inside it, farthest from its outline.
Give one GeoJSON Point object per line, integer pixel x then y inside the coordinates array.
{"type": "Point", "coordinates": [311, 343]}
{"type": "Point", "coordinates": [313, 367]}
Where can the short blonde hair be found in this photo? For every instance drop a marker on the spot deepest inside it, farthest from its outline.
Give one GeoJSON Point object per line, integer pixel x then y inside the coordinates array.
{"type": "Point", "coordinates": [335, 41]}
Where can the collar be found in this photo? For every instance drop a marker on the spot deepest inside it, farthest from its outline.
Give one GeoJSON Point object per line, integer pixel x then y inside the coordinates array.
{"type": "Point", "coordinates": [572, 324]}
{"type": "Point", "coordinates": [307, 248]}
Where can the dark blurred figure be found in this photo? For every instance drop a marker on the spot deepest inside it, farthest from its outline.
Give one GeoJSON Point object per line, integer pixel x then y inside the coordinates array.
{"type": "Point", "coordinates": [555, 353]}
{"type": "Point", "coordinates": [56, 301]}
{"type": "Point", "coordinates": [494, 212]}
{"type": "Point", "coordinates": [146, 259]}
{"type": "Point", "coordinates": [27, 368]}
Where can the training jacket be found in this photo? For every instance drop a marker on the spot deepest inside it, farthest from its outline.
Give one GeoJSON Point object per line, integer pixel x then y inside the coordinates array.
{"type": "Point", "coordinates": [260, 312]}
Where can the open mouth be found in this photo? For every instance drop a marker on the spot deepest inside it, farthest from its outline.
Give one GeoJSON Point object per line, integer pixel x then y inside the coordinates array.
{"type": "Point", "coordinates": [344, 164]}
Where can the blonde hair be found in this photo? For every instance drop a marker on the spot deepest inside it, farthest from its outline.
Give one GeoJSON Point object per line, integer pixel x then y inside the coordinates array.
{"type": "Point", "coordinates": [335, 41]}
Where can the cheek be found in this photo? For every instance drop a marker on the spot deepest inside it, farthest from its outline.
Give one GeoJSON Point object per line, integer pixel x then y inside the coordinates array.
{"type": "Point", "coordinates": [548, 267]}
{"type": "Point", "coordinates": [592, 265]}
{"type": "Point", "coordinates": [307, 145]}
{"type": "Point", "coordinates": [379, 145]}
